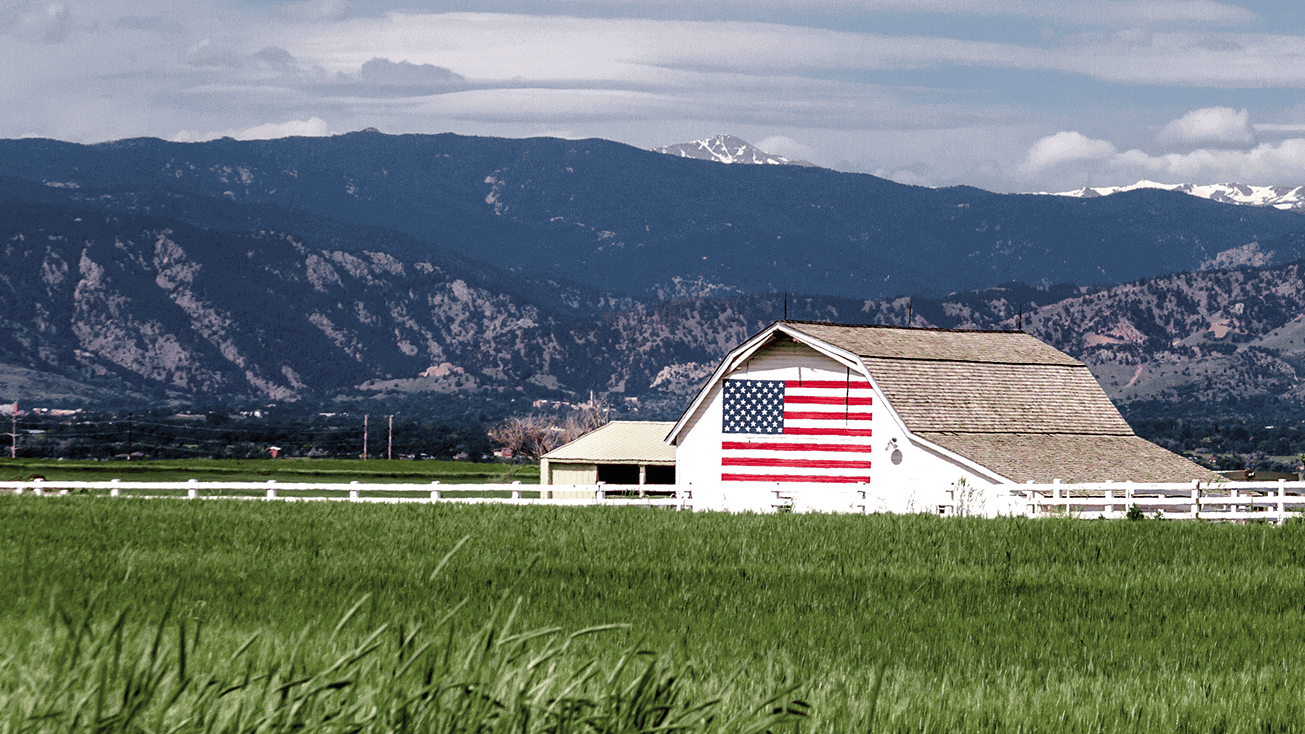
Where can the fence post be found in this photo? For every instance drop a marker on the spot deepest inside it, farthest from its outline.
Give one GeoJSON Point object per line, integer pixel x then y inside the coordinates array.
{"type": "Point", "coordinates": [1196, 499]}
{"type": "Point", "coordinates": [1110, 502]}
{"type": "Point", "coordinates": [271, 491]}
{"type": "Point", "coordinates": [113, 491]}
{"type": "Point", "coordinates": [1057, 496]}
{"type": "Point", "coordinates": [1282, 500]}
{"type": "Point", "coordinates": [600, 494]}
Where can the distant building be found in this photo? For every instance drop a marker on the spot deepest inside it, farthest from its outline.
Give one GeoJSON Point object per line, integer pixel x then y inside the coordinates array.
{"type": "Point", "coordinates": [620, 452]}
{"type": "Point", "coordinates": [908, 408]}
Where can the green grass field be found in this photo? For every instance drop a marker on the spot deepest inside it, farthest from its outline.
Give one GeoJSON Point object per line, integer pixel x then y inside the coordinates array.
{"type": "Point", "coordinates": [281, 470]}
{"type": "Point", "coordinates": [979, 625]}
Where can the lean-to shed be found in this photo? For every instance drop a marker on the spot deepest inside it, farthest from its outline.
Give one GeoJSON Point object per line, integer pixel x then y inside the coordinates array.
{"type": "Point", "coordinates": [620, 452]}
{"type": "Point", "coordinates": [908, 408]}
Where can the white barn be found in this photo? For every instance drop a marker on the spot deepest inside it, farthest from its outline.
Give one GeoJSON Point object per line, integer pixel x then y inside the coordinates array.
{"type": "Point", "coordinates": [908, 411]}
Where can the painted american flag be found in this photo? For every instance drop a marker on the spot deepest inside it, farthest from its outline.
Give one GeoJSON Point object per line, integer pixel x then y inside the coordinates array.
{"type": "Point", "coordinates": [796, 431]}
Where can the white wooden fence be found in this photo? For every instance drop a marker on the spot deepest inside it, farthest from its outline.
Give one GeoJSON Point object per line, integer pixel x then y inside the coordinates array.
{"type": "Point", "coordinates": [515, 493]}
{"type": "Point", "coordinates": [1234, 501]}
{"type": "Point", "coordinates": [1237, 501]}
{"type": "Point", "coordinates": [742, 498]}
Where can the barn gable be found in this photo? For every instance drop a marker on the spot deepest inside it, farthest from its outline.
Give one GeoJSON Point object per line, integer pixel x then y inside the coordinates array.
{"type": "Point", "coordinates": [990, 407]}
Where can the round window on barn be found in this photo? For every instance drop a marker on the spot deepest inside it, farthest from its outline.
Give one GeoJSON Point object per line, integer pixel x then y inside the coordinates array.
{"type": "Point", "coordinates": [896, 456]}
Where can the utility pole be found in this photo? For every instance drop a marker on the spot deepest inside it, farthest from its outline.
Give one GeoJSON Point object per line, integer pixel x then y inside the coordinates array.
{"type": "Point", "coordinates": [389, 442]}
{"type": "Point", "coordinates": [365, 417]}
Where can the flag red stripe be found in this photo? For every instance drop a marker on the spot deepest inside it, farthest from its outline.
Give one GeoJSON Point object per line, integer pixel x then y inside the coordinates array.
{"type": "Point", "coordinates": [799, 463]}
{"type": "Point", "coordinates": [820, 400]}
{"type": "Point", "coordinates": [767, 446]}
{"type": "Point", "coordinates": [840, 384]}
{"type": "Point", "coordinates": [791, 478]}
{"type": "Point", "coordinates": [826, 431]}
{"type": "Point", "coordinates": [811, 416]}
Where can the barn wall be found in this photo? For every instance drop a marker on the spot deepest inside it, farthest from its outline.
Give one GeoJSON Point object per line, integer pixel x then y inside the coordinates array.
{"type": "Point", "coordinates": [919, 482]}
{"type": "Point", "coordinates": [698, 457]}
{"type": "Point", "coordinates": [560, 473]}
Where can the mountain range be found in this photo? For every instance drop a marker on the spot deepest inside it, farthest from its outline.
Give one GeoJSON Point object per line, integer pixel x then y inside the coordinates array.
{"type": "Point", "coordinates": [1288, 198]}
{"type": "Point", "coordinates": [373, 264]}
{"type": "Point", "coordinates": [590, 222]}
{"type": "Point", "coordinates": [728, 149]}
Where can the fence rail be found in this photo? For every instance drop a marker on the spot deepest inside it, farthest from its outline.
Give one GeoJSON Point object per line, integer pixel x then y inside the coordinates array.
{"type": "Point", "coordinates": [515, 493]}
{"type": "Point", "coordinates": [1230, 501]}
{"type": "Point", "coordinates": [1237, 501]}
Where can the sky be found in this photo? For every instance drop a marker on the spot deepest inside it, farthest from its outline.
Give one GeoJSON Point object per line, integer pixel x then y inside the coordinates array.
{"type": "Point", "coordinates": [1007, 95]}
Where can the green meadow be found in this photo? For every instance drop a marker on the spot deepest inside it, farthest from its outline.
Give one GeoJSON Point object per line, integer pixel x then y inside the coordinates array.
{"type": "Point", "coordinates": [342, 617]}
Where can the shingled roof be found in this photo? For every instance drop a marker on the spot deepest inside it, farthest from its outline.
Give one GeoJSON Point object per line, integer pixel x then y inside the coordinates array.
{"type": "Point", "coordinates": [619, 442]}
{"type": "Point", "coordinates": [1004, 400]}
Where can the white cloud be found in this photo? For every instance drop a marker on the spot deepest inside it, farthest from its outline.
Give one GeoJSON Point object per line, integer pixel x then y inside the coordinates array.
{"type": "Point", "coordinates": [1098, 12]}
{"type": "Point", "coordinates": [42, 22]}
{"type": "Point", "coordinates": [313, 127]}
{"type": "Point", "coordinates": [1217, 127]}
{"type": "Point", "coordinates": [1279, 163]}
{"type": "Point", "coordinates": [206, 53]}
{"type": "Point", "coordinates": [785, 146]}
{"type": "Point", "coordinates": [500, 46]}
{"type": "Point", "coordinates": [1064, 147]}
{"type": "Point", "coordinates": [315, 10]}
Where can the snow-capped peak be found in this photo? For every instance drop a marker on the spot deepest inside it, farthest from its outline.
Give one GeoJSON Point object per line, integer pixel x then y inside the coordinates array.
{"type": "Point", "coordinates": [1280, 197]}
{"type": "Point", "coordinates": [728, 149]}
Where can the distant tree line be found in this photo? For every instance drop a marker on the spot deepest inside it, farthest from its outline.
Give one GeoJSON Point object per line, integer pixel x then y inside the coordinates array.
{"type": "Point", "coordinates": [219, 434]}
{"type": "Point", "coordinates": [1248, 435]}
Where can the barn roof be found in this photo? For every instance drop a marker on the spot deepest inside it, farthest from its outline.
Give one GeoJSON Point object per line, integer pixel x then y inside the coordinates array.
{"type": "Point", "coordinates": [619, 442]}
{"type": "Point", "coordinates": [1070, 457]}
{"type": "Point", "coordinates": [1004, 400]}
{"type": "Point", "coordinates": [931, 345]}
{"type": "Point", "coordinates": [1001, 399]}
